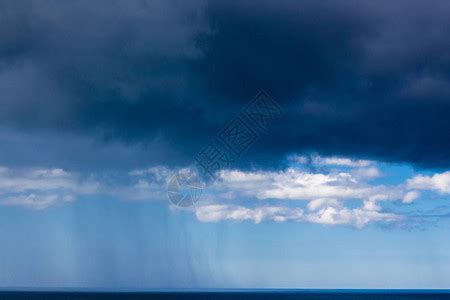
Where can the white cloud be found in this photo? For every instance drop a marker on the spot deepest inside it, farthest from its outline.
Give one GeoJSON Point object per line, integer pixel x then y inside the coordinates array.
{"type": "Point", "coordinates": [371, 205]}
{"type": "Point", "coordinates": [32, 201]}
{"type": "Point", "coordinates": [298, 184]}
{"type": "Point", "coordinates": [339, 161]}
{"type": "Point", "coordinates": [216, 213]}
{"type": "Point", "coordinates": [21, 180]}
{"type": "Point", "coordinates": [320, 203]}
{"type": "Point", "coordinates": [158, 172]}
{"type": "Point", "coordinates": [332, 161]}
{"type": "Point", "coordinates": [358, 217]}
{"type": "Point", "coordinates": [438, 182]}
{"type": "Point", "coordinates": [326, 192]}
{"type": "Point", "coordinates": [371, 172]}
{"type": "Point", "coordinates": [265, 193]}
{"type": "Point", "coordinates": [41, 188]}
{"type": "Point", "coordinates": [328, 215]}
{"type": "Point", "coordinates": [411, 196]}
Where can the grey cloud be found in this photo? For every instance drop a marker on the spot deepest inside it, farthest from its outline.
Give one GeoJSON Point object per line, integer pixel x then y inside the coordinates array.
{"type": "Point", "coordinates": [356, 78]}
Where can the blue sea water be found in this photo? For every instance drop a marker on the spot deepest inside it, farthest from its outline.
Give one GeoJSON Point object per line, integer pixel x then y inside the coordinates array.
{"type": "Point", "coordinates": [241, 294]}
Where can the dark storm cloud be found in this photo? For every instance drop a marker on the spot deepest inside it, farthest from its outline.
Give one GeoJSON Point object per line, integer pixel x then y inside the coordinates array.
{"type": "Point", "coordinates": [369, 79]}
{"type": "Point", "coordinates": [103, 70]}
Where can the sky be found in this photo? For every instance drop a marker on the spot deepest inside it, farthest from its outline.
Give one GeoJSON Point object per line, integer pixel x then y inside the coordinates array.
{"type": "Point", "coordinates": [311, 140]}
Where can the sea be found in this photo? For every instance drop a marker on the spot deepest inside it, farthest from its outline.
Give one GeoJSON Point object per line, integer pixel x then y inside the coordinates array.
{"type": "Point", "coordinates": [230, 294]}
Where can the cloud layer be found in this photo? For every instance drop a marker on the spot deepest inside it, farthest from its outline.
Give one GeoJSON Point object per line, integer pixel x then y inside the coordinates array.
{"type": "Point", "coordinates": [309, 192]}
{"type": "Point", "coordinates": [41, 188]}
